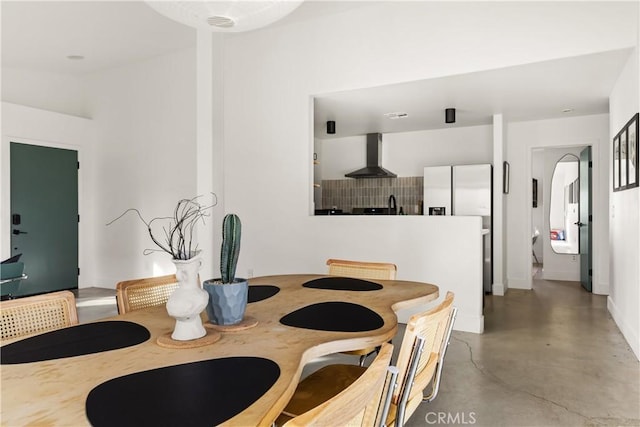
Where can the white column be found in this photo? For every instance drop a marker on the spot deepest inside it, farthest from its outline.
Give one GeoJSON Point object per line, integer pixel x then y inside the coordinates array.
{"type": "Point", "coordinates": [499, 207]}
{"type": "Point", "coordinates": [204, 146]}
{"type": "Point", "coordinates": [216, 166]}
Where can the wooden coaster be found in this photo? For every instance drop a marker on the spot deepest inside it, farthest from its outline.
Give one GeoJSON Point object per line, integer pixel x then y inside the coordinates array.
{"type": "Point", "coordinates": [247, 322]}
{"type": "Point", "coordinates": [166, 341]}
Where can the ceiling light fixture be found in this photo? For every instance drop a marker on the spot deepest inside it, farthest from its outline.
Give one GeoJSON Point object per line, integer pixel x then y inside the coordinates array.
{"type": "Point", "coordinates": [75, 57]}
{"type": "Point", "coordinates": [567, 110]}
{"type": "Point", "coordinates": [331, 127]}
{"type": "Point", "coordinates": [450, 115]}
{"type": "Point", "coordinates": [226, 16]}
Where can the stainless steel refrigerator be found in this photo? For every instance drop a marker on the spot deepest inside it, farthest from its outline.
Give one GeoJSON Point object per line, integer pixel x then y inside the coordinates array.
{"type": "Point", "coordinates": [463, 190]}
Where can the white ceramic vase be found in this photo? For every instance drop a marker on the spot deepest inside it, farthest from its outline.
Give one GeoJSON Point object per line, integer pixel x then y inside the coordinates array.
{"type": "Point", "coordinates": [187, 302]}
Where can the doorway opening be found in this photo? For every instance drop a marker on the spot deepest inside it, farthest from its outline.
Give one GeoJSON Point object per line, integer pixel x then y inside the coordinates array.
{"type": "Point", "coordinates": [561, 214]}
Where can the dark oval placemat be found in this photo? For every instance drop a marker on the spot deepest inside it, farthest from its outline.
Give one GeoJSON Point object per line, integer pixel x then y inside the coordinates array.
{"type": "Point", "coordinates": [203, 393]}
{"type": "Point", "coordinates": [74, 341]}
{"type": "Point", "coordinates": [334, 316]}
{"type": "Point", "coordinates": [342, 284]}
{"type": "Point", "coordinates": [261, 292]}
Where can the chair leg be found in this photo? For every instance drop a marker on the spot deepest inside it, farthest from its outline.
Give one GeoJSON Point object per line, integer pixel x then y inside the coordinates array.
{"type": "Point", "coordinates": [363, 358]}
{"type": "Point", "coordinates": [435, 386]}
{"type": "Point", "coordinates": [403, 398]}
{"type": "Point", "coordinates": [390, 387]}
{"type": "Point", "coordinates": [535, 257]}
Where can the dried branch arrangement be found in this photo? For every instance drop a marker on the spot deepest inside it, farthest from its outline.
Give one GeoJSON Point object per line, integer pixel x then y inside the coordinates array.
{"type": "Point", "coordinates": [175, 234]}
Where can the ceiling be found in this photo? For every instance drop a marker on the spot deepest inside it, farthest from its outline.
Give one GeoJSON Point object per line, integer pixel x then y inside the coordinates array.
{"type": "Point", "coordinates": [543, 90]}
{"type": "Point", "coordinates": [39, 35]}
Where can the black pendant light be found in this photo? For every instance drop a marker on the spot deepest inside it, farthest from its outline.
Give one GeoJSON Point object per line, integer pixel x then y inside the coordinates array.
{"type": "Point", "coordinates": [331, 127]}
{"type": "Point", "coordinates": [450, 115]}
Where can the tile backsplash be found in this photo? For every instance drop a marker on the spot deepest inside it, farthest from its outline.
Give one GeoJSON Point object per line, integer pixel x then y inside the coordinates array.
{"type": "Point", "coordinates": [347, 194]}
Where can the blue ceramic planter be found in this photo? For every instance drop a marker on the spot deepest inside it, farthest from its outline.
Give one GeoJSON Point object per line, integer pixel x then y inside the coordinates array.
{"type": "Point", "coordinates": [227, 303]}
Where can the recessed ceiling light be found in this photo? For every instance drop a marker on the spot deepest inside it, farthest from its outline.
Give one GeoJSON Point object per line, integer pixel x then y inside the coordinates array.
{"type": "Point", "coordinates": [567, 110]}
{"type": "Point", "coordinates": [398, 115]}
{"type": "Point", "coordinates": [75, 57]}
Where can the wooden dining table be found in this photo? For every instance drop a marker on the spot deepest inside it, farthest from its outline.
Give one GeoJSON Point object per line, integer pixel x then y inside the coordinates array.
{"type": "Point", "coordinates": [66, 391]}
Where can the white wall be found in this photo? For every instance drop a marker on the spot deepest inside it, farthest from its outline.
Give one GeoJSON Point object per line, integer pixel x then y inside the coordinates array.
{"type": "Point", "coordinates": [34, 126]}
{"type": "Point", "coordinates": [408, 153]}
{"type": "Point", "coordinates": [271, 74]}
{"type": "Point", "coordinates": [138, 151]}
{"type": "Point", "coordinates": [569, 132]}
{"type": "Point", "coordinates": [145, 118]}
{"type": "Point", "coordinates": [62, 93]}
{"type": "Point", "coordinates": [624, 296]}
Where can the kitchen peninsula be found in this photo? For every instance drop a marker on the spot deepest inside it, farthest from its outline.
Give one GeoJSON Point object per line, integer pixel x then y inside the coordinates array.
{"type": "Point", "coordinates": [445, 250]}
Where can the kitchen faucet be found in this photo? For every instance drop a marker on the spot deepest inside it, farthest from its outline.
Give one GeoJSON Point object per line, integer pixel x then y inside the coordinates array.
{"type": "Point", "coordinates": [392, 207]}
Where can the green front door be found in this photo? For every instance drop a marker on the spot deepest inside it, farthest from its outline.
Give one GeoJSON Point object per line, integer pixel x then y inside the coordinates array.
{"type": "Point", "coordinates": [585, 219]}
{"type": "Point", "coordinates": [44, 216]}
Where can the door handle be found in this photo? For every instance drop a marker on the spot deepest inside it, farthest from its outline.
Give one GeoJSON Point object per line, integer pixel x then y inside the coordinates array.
{"type": "Point", "coordinates": [16, 232]}
{"type": "Point", "coordinates": [579, 224]}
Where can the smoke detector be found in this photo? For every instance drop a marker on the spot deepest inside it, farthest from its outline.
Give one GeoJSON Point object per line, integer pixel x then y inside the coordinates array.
{"type": "Point", "coordinates": [225, 15]}
{"type": "Point", "coordinates": [397, 115]}
{"type": "Point", "coordinates": [221, 21]}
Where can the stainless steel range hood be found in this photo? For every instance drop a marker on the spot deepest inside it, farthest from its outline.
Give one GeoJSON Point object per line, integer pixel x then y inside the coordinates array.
{"type": "Point", "coordinates": [374, 167]}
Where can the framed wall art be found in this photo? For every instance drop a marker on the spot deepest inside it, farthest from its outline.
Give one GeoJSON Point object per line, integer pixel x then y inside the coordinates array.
{"type": "Point", "coordinates": [625, 156]}
{"type": "Point", "coordinates": [632, 141]}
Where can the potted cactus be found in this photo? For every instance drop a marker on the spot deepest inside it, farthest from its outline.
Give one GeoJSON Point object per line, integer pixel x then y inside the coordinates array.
{"type": "Point", "coordinates": [228, 295]}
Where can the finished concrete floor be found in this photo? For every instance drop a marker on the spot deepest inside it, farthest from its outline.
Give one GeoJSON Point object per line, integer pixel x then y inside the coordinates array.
{"type": "Point", "coordinates": [551, 356]}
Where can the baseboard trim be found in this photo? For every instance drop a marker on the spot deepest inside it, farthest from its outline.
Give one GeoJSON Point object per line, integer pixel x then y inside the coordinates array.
{"type": "Point", "coordinates": [473, 324]}
{"type": "Point", "coordinates": [568, 276]}
{"type": "Point", "coordinates": [600, 288]}
{"type": "Point", "coordinates": [519, 284]}
{"type": "Point", "coordinates": [498, 289]}
{"type": "Point", "coordinates": [464, 322]}
{"type": "Point", "coordinates": [627, 332]}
